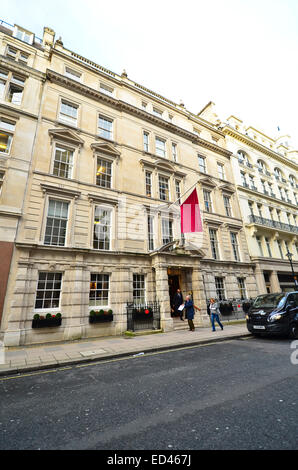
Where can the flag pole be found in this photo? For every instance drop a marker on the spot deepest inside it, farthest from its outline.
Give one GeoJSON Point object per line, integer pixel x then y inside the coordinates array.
{"type": "Point", "coordinates": [182, 239]}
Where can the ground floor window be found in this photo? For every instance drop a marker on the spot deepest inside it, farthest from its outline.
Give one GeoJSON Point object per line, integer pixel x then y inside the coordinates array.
{"type": "Point", "coordinates": [99, 290]}
{"type": "Point", "coordinates": [48, 290]}
{"type": "Point", "coordinates": [241, 287]}
{"type": "Point", "coordinates": [220, 288]}
{"type": "Point", "coordinates": [139, 288]}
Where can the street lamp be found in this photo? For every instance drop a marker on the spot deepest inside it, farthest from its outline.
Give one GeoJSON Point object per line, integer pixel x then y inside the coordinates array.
{"type": "Point", "coordinates": [290, 256]}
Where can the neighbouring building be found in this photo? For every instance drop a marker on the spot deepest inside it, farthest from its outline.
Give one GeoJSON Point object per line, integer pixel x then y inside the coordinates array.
{"type": "Point", "coordinates": [266, 170]}
{"type": "Point", "coordinates": [91, 164]}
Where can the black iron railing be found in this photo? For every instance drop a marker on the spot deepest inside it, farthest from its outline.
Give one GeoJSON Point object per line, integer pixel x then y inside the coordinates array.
{"type": "Point", "coordinates": [143, 316]}
{"type": "Point", "coordinates": [273, 224]}
{"type": "Point", "coordinates": [232, 309]}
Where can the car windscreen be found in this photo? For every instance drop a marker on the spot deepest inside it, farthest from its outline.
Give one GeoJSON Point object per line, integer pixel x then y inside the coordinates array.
{"type": "Point", "coordinates": [269, 301]}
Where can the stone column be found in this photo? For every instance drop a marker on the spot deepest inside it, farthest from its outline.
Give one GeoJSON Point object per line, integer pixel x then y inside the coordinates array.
{"type": "Point", "coordinates": [162, 294]}
{"type": "Point", "coordinates": [260, 280]}
{"type": "Point", "coordinates": [275, 286]}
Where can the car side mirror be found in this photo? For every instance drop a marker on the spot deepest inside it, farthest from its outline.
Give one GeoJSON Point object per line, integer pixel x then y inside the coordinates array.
{"type": "Point", "coordinates": [290, 305]}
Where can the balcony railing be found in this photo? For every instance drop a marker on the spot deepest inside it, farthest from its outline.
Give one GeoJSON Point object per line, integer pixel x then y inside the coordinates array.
{"type": "Point", "coordinates": [255, 219]}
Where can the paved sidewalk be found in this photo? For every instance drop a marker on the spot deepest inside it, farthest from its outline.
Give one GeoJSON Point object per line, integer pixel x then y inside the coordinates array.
{"type": "Point", "coordinates": [30, 358]}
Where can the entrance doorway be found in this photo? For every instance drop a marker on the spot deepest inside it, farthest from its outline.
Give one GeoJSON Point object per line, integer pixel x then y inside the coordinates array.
{"type": "Point", "coordinates": [174, 284]}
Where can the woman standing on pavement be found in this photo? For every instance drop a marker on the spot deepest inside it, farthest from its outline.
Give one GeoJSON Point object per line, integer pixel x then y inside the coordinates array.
{"type": "Point", "coordinates": [214, 314]}
{"type": "Point", "coordinates": [189, 306]}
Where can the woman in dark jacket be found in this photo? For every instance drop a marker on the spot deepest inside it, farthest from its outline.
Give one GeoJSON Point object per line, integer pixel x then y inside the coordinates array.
{"type": "Point", "coordinates": [190, 312]}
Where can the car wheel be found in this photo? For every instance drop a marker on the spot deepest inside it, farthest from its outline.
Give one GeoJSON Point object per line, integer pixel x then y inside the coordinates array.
{"type": "Point", "coordinates": [294, 330]}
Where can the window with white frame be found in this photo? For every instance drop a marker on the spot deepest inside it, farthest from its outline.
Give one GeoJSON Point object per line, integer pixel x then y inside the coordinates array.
{"type": "Point", "coordinates": [178, 190]}
{"type": "Point", "coordinates": [160, 147]}
{"type": "Point", "coordinates": [292, 180]}
{"type": "Point", "coordinates": [167, 230]}
{"type": "Point", "coordinates": [207, 200]}
{"type": "Point", "coordinates": [11, 52]}
{"type": "Point", "coordinates": [11, 86]}
{"type": "Point", "coordinates": [241, 156]}
{"type": "Point", "coordinates": [146, 141]}
{"type": "Point", "coordinates": [139, 293]}
{"type": "Point", "coordinates": [280, 249]}
{"type": "Point", "coordinates": [69, 113]}
{"type": "Point", "coordinates": [157, 112]}
{"type": "Point", "coordinates": [102, 228]}
{"type": "Point", "coordinates": [202, 163]}
{"type": "Point", "coordinates": [242, 288]}
{"type": "Point", "coordinates": [56, 223]}
{"type": "Point", "coordinates": [214, 243]}
{"type": "Point", "coordinates": [251, 207]}
{"type": "Point", "coordinates": [220, 288]}
{"type": "Point", "coordinates": [150, 230]}
{"type": "Point", "coordinates": [73, 74]}
{"type": "Point", "coordinates": [4, 75]}
{"type": "Point", "coordinates": [105, 127]}
{"type": "Point", "coordinates": [227, 204]}
{"type": "Point", "coordinates": [243, 179]}
{"type": "Point", "coordinates": [268, 247]}
{"type": "Point", "coordinates": [23, 35]}
{"type": "Point", "coordinates": [17, 55]}
{"type": "Point", "coordinates": [99, 290]}
{"type": "Point", "coordinates": [174, 152]}
{"type": "Point", "coordinates": [259, 242]}
{"type": "Point", "coordinates": [106, 89]}
{"type": "Point", "coordinates": [48, 290]}
{"type": "Point", "coordinates": [7, 129]}
{"type": "Point", "coordinates": [235, 248]}
{"type": "Point", "coordinates": [63, 162]}
{"type": "Point", "coordinates": [221, 171]}
{"type": "Point", "coordinates": [251, 181]}
{"type": "Point", "coordinates": [277, 173]}
{"type": "Point", "coordinates": [103, 173]}
{"type": "Point", "coordinates": [148, 182]}
{"type": "Point", "coordinates": [144, 105]}
{"type": "Point", "coordinates": [163, 188]}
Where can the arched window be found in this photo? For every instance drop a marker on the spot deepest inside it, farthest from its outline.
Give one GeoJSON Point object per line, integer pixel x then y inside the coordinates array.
{"type": "Point", "coordinates": [292, 180]}
{"type": "Point", "coordinates": [243, 158]}
{"type": "Point", "coordinates": [261, 166]}
{"type": "Point", "coordinates": [278, 174]}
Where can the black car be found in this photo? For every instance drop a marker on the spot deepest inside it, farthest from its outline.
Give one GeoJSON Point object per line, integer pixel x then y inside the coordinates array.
{"type": "Point", "coordinates": [274, 314]}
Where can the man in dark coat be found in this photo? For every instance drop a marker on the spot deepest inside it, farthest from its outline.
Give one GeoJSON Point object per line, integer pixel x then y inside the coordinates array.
{"type": "Point", "coordinates": [177, 301]}
{"type": "Point", "coordinates": [190, 312]}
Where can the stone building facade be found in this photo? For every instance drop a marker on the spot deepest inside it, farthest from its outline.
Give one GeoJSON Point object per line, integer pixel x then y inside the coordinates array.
{"type": "Point", "coordinates": [94, 174]}
{"type": "Point", "coordinates": [266, 170]}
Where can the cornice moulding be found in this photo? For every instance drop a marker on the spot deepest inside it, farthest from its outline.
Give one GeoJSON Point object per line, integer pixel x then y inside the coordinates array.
{"type": "Point", "coordinates": [256, 145]}
{"type": "Point", "coordinates": [144, 115]}
{"type": "Point", "coordinates": [135, 87]}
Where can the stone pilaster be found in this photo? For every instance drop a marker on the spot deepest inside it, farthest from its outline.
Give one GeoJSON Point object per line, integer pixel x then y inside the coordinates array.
{"type": "Point", "coordinates": [201, 317]}
{"type": "Point", "coordinates": [274, 282]}
{"type": "Point", "coordinates": [162, 294]}
{"type": "Point", "coordinates": [259, 274]}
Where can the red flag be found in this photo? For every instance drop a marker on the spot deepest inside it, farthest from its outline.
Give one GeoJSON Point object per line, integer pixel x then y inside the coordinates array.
{"type": "Point", "coordinates": [190, 214]}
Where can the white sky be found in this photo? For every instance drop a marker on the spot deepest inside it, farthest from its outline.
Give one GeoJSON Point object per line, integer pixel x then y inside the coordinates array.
{"type": "Point", "coordinates": [240, 54]}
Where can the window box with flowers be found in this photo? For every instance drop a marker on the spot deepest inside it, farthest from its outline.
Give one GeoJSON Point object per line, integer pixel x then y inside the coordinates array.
{"type": "Point", "coordinates": [48, 320]}
{"type": "Point", "coordinates": [100, 316]}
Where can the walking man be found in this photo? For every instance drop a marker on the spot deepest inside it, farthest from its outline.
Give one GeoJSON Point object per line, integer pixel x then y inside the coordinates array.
{"type": "Point", "coordinates": [214, 314]}
{"type": "Point", "coordinates": [189, 306]}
